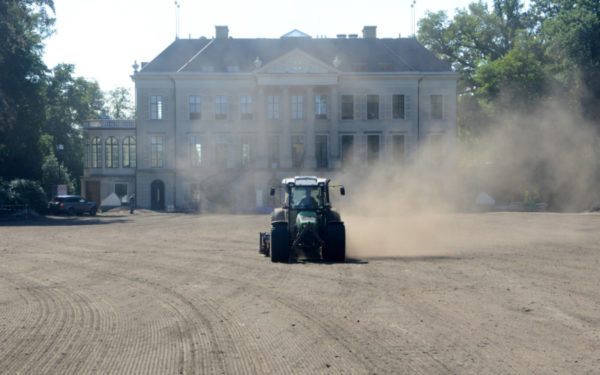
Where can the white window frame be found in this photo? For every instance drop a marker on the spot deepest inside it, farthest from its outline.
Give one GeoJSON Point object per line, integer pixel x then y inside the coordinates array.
{"type": "Point", "coordinates": [321, 106]}
{"type": "Point", "coordinates": [195, 107]}
{"type": "Point", "coordinates": [297, 107]}
{"type": "Point", "coordinates": [273, 107]}
{"type": "Point", "coordinates": [156, 107]}
{"type": "Point", "coordinates": [246, 107]}
{"type": "Point", "coordinates": [195, 151]}
{"type": "Point", "coordinates": [221, 107]}
{"type": "Point", "coordinates": [157, 159]}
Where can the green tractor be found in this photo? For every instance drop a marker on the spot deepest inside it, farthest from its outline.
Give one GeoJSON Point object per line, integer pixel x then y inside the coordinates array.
{"type": "Point", "coordinates": [306, 224]}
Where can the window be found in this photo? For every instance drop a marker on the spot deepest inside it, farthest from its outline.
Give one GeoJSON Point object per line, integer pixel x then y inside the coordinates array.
{"type": "Point", "coordinates": [112, 152]}
{"type": "Point", "coordinates": [372, 107]}
{"type": "Point", "coordinates": [297, 151]}
{"type": "Point", "coordinates": [87, 150]}
{"type": "Point", "coordinates": [273, 107]}
{"type": "Point", "coordinates": [156, 107]}
{"type": "Point", "coordinates": [297, 107]}
{"type": "Point", "coordinates": [398, 145]}
{"type": "Point", "coordinates": [96, 152]}
{"type": "Point", "coordinates": [372, 149]}
{"type": "Point", "coordinates": [347, 107]}
{"type": "Point", "coordinates": [121, 191]}
{"type": "Point", "coordinates": [398, 106]}
{"type": "Point", "coordinates": [321, 151]}
{"type": "Point", "coordinates": [195, 151]}
{"type": "Point", "coordinates": [273, 151]}
{"type": "Point", "coordinates": [436, 107]}
{"type": "Point", "coordinates": [246, 156]}
{"type": "Point", "coordinates": [435, 149]}
{"type": "Point", "coordinates": [221, 107]}
{"type": "Point", "coordinates": [347, 149]}
{"type": "Point", "coordinates": [129, 156]}
{"type": "Point", "coordinates": [156, 152]}
{"type": "Point", "coordinates": [246, 104]}
{"type": "Point", "coordinates": [233, 69]}
{"type": "Point", "coordinates": [196, 194]}
{"type": "Point", "coordinates": [222, 151]}
{"type": "Point", "coordinates": [208, 68]}
{"type": "Point", "coordinates": [195, 107]}
{"type": "Point", "coordinates": [320, 106]}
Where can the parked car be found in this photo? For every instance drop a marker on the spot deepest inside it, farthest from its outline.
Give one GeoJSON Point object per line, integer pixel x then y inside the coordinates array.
{"type": "Point", "coordinates": [71, 205]}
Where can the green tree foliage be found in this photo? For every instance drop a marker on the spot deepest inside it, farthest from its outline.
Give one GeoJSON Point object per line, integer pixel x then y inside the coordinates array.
{"type": "Point", "coordinates": [55, 173]}
{"type": "Point", "coordinates": [120, 103]}
{"type": "Point", "coordinates": [23, 26]}
{"type": "Point", "coordinates": [474, 36]}
{"type": "Point", "coordinates": [28, 192]}
{"type": "Point", "coordinates": [509, 58]}
{"type": "Point", "coordinates": [517, 80]}
{"type": "Point", "coordinates": [41, 110]}
{"type": "Point", "coordinates": [69, 102]}
{"type": "Point", "coordinates": [571, 31]}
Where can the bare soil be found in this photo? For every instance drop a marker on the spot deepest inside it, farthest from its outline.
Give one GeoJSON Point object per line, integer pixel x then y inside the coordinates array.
{"type": "Point", "coordinates": [156, 293]}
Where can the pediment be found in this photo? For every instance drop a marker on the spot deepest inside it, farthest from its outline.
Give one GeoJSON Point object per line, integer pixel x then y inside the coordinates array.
{"type": "Point", "coordinates": [296, 62]}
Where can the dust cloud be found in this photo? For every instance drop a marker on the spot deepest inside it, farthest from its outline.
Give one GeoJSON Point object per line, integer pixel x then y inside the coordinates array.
{"type": "Point", "coordinates": [543, 160]}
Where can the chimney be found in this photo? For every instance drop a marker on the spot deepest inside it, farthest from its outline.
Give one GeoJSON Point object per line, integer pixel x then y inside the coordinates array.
{"type": "Point", "coordinates": [370, 32]}
{"type": "Point", "coordinates": [221, 32]}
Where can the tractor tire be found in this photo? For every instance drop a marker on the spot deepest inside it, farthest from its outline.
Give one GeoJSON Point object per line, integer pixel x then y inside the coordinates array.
{"type": "Point", "coordinates": [335, 243]}
{"type": "Point", "coordinates": [280, 247]}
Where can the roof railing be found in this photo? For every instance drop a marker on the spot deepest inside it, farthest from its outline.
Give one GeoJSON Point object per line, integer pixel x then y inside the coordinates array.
{"type": "Point", "coordinates": [127, 124]}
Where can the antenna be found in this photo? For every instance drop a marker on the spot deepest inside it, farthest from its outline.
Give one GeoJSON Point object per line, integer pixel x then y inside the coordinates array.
{"type": "Point", "coordinates": [412, 18]}
{"type": "Point", "coordinates": [176, 20]}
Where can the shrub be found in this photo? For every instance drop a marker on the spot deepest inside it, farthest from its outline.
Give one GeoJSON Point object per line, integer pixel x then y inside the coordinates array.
{"type": "Point", "coordinates": [28, 192]}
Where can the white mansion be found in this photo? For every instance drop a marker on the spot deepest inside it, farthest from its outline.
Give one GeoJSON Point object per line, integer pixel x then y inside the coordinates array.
{"type": "Point", "coordinates": [218, 121]}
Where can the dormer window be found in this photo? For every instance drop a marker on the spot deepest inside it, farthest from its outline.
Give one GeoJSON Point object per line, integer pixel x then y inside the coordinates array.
{"type": "Point", "coordinates": [359, 67]}
{"type": "Point", "coordinates": [385, 67]}
{"type": "Point", "coordinates": [233, 69]}
{"type": "Point", "coordinates": [208, 68]}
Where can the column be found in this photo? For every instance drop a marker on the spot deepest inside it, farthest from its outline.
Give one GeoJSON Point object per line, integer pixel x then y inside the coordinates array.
{"type": "Point", "coordinates": [286, 125]}
{"type": "Point", "coordinates": [334, 154]}
{"type": "Point", "coordinates": [262, 147]}
{"type": "Point", "coordinates": [310, 161]}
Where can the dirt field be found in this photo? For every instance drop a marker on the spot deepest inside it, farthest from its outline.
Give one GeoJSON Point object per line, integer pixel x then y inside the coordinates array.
{"type": "Point", "coordinates": [153, 293]}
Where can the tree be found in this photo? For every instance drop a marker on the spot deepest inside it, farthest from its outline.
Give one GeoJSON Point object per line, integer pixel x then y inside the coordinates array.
{"type": "Point", "coordinates": [516, 81]}
{"type": "Point", "coordinates": [474, 36]}
{"type": "Point", "coordinates": [23, 26]}
{"type": "Point", "coordinates": [69, 102]}
{"type": "Point", "coordinates": [571, 31]}
{"type": "Point", "coordinates": [120, 103]}
{"type": "Point", "coordinates": [55, 173]}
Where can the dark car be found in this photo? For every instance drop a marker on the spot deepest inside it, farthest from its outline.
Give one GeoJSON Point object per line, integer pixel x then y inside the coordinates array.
{"type": "Point", "coordinates": [71, 205]}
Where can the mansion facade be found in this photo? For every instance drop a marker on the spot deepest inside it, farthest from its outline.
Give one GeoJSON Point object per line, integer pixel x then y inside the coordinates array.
{"type": "Point", "coordinates": [219, 121]}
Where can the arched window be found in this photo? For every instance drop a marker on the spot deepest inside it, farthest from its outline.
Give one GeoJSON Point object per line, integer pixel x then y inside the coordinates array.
{"type": "Point", "coordinates": [96, 152]}
{"type": "Point", "coordinates": [87, 149]}
{"type": "Point", "coordinates": [129, 158]}
{"type": "Point", "coordinates": [112, 152]}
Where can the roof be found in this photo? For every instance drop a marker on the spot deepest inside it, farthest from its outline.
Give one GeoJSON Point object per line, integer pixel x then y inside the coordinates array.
{"type": "Point", "coordinates": [353, 54]}
{"type": "Point", "coordinates": [304, 181]}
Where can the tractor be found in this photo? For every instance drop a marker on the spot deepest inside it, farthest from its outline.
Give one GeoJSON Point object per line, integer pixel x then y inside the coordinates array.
{"type": "Point", "coordinates": [306, 224]}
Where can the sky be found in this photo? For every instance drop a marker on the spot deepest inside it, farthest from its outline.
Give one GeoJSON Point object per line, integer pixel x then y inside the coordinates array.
{"type": "Point", "coordinates": [103, 38]}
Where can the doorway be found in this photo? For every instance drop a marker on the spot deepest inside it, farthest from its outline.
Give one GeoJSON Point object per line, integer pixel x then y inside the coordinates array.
{"type": "Point", "coordinates": [157, 195]}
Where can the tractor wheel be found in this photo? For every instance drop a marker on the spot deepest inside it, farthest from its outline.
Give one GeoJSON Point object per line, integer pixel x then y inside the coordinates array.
{"type": "Point", "coordinates": [335, 244]}
{"type": "Point", "coordinates": [280, 251]}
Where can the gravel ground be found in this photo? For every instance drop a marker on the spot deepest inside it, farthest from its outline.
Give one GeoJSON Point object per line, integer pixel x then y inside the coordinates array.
{"type": "Point", "coordinates": [156, 293]}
